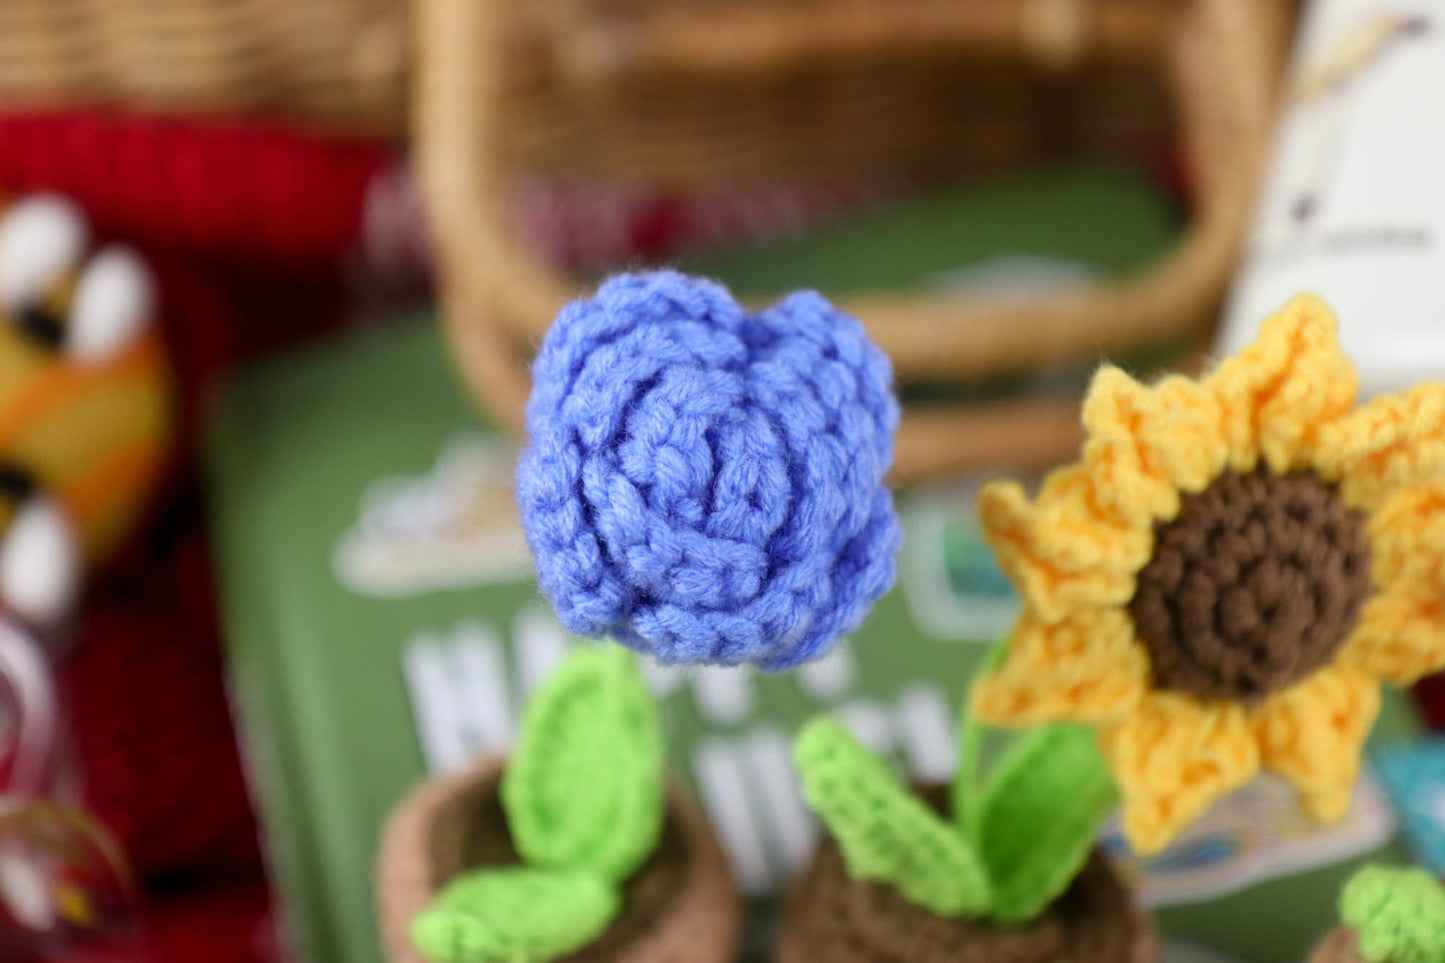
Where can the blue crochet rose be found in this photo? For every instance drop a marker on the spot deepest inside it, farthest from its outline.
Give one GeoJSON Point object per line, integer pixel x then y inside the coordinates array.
{"type": "Point", "coordinates": [704, 484]}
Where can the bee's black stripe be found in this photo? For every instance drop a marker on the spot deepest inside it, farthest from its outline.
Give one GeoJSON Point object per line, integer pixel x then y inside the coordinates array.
{"type": "Point", "coordinates": [16, 484]}
{"type": "Point", "coordinates": [42, 326]}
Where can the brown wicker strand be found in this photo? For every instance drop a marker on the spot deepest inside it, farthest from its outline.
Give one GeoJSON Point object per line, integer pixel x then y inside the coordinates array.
{"type": "Point", "coordinates": [660, 111]}
{"type": "Point", "coordinates": [336, 64]}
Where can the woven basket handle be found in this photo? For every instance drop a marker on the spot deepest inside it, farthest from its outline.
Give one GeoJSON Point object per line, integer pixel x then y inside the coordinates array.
{"type": "Point", "coordinates": [498, 299]}
{"type": "Point", "coordinates": [740, 40]}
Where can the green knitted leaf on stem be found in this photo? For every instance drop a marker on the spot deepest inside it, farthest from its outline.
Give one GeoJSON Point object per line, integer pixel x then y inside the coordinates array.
{"type": "Point", "coordinates": [885, 832]}
{"type": "Point", "coordinates": [1040, 815]}
{"type": "Point", "coordinates": [1398, 914]}
{"type": "Point", "coordinates": [584, 786]}
{"type": "Point", "coordinates": [515, 914]}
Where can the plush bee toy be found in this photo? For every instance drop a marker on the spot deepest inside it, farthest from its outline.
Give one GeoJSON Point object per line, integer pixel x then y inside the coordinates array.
{"type": "Point", "coordinates": [84, 414]}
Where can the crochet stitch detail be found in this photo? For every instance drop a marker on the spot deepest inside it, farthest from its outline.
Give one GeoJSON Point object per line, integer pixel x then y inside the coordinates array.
{"type": "Point", "coordinates": [1114, 634]}
{"type": "Point", "coordinates": [1253, 587]}
{"type": "Point", "coordinates": [1399, 915]}
{"type": "Point", "coordinates": [1044, 804]}
{"type": "Point", "coordinates": [514, 914]}
{"type": "Point", "coordinates": [584, 788]}
{"type": "Point", "coordinates": [829, 916]}
{"type": "Point", "coordinates": [885, 832]}
{"type": "Point", "coordinates": [706, 484]}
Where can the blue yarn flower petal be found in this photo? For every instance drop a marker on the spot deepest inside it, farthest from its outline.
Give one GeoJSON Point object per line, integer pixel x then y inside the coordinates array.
{"type": "Point", "coordinates": [706, 485]}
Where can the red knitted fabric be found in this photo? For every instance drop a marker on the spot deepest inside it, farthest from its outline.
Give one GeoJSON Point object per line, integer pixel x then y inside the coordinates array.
{"type": "Point", "coordinates": [606, 226]}
{"type": "Point", "coordinates": [144, 693]}
{"type": "Point", "coordinates": [144, 685]}
{"type": "Point", "coordinates": [1430, 692]}
{"type": "Point", "coordinates": [216, 186]}
{"type": "Point", "coordinates": [247, 189]}
{"type": "Point", "coordinates": [232, 924]}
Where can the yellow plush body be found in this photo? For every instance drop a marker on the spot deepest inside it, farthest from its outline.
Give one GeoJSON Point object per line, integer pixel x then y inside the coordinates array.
{"type": "Point", "coordinates": [92, 435]}
{"type": "Point", "coordinates": [88, 428]}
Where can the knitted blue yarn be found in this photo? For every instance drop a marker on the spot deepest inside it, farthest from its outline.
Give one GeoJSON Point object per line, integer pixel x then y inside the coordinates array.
{"type": "Point", "coordinates": [707, 485]}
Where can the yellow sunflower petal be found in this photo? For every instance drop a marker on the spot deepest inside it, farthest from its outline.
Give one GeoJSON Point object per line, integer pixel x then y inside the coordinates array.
{"type": "Point", "coordinates": [1313, 733]}
{"type": "Point", "coordinates": [1277, 394]}
{"type": "Point", "coordinates": [1086, 668]}
{"type": "Point", "coordinates": [1147, 444]}
{"type": "Point", "coordinates": [1400, 637]}
{"type": "Point", "coordinates": [1173, 758]}
{"type": "Point", "coordinates": [1390, 443]}
{"type": "Point", "coordinates": [1407, 540]}
{"type": "Point", "coordinates": [1062, 552]}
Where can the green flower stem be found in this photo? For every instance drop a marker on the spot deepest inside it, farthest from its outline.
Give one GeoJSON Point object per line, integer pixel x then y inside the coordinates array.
{"type": "Point", "coordinates": [967, 783]}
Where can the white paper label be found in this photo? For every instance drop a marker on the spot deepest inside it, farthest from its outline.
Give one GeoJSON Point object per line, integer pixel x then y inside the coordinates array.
{"type": "Point", "coordinates": [1353, 206]}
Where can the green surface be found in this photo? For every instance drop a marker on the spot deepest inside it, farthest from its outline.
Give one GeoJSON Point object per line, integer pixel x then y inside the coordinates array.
{"type": "Point", "coordinates": [1097, 216]}
{"type": "Point", "coordinates": [317, 668]}
{"type": "Point", "coordinates": [317, 672]}
{"type": "Point", "coordinates": [323, 707]}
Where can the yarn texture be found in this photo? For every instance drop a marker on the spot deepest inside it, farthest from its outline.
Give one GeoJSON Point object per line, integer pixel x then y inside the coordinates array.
{"type": "Point", "coordinates": [1041, 811]}
{"type": "Point", "coordinates": [1253, 587]}
{"type": "Point", "coordinates": [585, 786]}
{"type": "Point", "coordinates": [1229, 573]}
{"type": "Point", "coordinates": [1013, 844]}
{"type": "Point", "coordinates": [586, 810]}
{"type": "Point", "coordinates": [830, 916]}
{"type": "Point", "coordinates": [883, 830]}
{"type": "Point", "coordinates": [1398, 914]}
{"type": "Point", "coordinates": [85, 407]}
{"type": "Point", "coordinates": [704, 484]}
{"type": "Point", "coordinates": [515, 914]}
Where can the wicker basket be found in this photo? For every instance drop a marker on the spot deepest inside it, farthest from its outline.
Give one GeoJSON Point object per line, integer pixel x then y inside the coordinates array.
{"type": "Point", "coordinates": [336, 64]}
{"type": "Point", "coordinates": [702, 93]}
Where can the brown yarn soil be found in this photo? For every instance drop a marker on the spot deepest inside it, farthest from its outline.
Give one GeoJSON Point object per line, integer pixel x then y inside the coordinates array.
{"type": "Point", "coordinates": [830, 918]}
{"type": "Point", "coordinates": [680, 907]}
{"type": "Point", "coordinates": [1254, 586]}
{"type": "Point", "coordinates": [1340, 946]}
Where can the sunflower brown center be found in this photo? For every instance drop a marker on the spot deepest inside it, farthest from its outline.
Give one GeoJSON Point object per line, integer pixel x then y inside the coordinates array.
{"type": "Point", "coordinates": [1254, 585]}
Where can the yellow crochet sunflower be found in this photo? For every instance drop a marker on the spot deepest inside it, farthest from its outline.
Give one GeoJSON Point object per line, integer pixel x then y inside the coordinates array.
{"type": "Point", "coordinates": [1225, 579]}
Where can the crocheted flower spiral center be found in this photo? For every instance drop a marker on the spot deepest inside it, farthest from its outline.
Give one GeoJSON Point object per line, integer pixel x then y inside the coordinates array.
{"type": "Point", "coordinates": [706, 484]}
{"type": "Point", "coordinates": [1254, 585]}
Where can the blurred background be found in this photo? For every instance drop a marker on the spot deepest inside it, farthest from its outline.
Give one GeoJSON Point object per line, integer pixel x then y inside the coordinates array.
{"type": "Point", "coordinates": [271, 274]}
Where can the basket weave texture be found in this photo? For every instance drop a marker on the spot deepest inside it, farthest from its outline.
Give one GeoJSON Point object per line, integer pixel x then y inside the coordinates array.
{"type": "Point", "coordinates": [701, 93]}
{"type": "Point", "coordinates": [337, 65]}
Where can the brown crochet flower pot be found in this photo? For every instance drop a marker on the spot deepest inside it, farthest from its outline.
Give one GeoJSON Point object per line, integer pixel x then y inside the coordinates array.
{"type": "Point", "coordinates": [828, 916]}
{"type": "Point", "coordinates": [680, 907]}
{"type": "Point", "coordinates": [1340, 946]}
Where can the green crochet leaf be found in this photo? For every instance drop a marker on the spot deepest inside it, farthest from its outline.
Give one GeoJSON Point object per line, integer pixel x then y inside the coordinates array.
{"type": "Point", "coordinates": [515, 914]}
{"type": "Point", "coordinates": [885, 832]}
{"type": "Point", "coordinates": [1398, 914]}
{"type": "Point", "coordinates": [584, 787]}
{"type": "Point", "coordinates": [1040, 815]}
